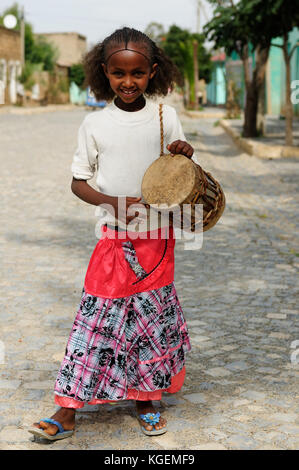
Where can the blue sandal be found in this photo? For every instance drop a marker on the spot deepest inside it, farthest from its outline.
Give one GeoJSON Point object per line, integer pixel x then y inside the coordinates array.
{"type": "Point", "coordinates": [151, 418]}
{"type": "Point", "coordinates": [61, 434]}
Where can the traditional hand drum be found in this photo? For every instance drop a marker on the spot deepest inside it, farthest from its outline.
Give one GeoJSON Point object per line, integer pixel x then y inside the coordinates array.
{"type": "Point", "coordinates": [171, 181]}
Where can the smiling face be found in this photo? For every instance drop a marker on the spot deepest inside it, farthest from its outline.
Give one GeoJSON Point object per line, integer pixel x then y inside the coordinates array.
{"type": "Point", "coordinates": [128, 73]}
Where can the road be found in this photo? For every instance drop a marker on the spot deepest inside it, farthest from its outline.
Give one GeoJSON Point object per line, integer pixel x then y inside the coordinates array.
{"type": "Point", "coordinates": [238, 293]}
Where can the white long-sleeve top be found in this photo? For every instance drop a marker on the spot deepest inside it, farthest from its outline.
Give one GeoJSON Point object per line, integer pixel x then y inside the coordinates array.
{"type": "Point", "coordinates": [119, 146]}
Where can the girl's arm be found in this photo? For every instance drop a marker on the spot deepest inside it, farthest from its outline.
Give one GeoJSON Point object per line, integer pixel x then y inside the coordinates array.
{"type": "Point", "coordinates": [85, 192]}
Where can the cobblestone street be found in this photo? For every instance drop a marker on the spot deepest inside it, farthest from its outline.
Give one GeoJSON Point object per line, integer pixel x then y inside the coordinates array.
{"type": "Point", "coordinates": [239, 294]}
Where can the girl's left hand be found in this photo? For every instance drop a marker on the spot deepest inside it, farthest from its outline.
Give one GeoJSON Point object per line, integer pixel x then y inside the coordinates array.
{"type": "Point", "coordinates": [180, 147]}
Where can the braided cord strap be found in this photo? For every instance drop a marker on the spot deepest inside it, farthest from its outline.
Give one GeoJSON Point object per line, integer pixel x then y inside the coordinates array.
{"type": "Point", "coordinates": [161, 130]}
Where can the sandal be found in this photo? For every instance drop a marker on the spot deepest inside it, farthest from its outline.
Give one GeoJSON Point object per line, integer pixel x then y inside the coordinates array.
{"type": "Point", "coordinates": [151, 418]}
{"type": "Point", "coordinates": [61, 434]}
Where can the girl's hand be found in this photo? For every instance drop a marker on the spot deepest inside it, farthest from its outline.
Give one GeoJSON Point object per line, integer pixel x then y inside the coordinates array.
{"type": "Point", "coordinates": [111, 203]}
{"type": "Point", "coordinates": [180, 147]}
{"type": "Point", "coordinates": [137, 209]}
{"type": "Point", "coordinates": [122, 215]}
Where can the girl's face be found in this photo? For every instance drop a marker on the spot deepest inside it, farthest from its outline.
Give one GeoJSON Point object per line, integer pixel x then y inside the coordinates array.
{"type": "Point", "coordinates": [128, 73]}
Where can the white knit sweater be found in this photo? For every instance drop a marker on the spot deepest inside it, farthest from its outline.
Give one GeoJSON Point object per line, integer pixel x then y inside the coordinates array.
{"type": "Point", "coordinates": [120, 146]}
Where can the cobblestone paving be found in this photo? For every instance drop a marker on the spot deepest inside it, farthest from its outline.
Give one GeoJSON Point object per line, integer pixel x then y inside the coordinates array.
{"type": "Point", "coordinates": [238, 293]}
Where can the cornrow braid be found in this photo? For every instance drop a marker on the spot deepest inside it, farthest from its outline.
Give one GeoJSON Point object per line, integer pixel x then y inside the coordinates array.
{"type": "Point", "coordinates": [166, 75]}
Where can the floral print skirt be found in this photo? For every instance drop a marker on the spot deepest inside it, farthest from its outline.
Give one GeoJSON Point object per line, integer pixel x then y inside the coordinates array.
{"type": "Point", "coordinates": [129, 347]}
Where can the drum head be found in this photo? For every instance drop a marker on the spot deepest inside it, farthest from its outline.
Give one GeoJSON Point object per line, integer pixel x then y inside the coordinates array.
{"type": "Point", "coordinates": [168, 181]}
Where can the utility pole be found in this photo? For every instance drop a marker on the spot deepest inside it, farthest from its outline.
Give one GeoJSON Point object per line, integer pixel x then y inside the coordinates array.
{"type": "Point", "coordinates": [22, 34]}
{"type": "Point", "coordinates": [195, 55]}
{"type": "Point", "coordinates": [195, 64]}
{"type": "Point", "coordinates": [198, 16]}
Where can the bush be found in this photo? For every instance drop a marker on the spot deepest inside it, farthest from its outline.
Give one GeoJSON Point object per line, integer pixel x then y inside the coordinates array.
{"type": "Point", "coordinates": [26, 77]}
{"type": "Point", "coordinates": [77, 74]}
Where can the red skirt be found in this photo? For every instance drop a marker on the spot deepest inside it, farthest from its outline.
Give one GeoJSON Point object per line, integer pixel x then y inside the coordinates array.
{"type": "Point", "coordinates": [108, 359]}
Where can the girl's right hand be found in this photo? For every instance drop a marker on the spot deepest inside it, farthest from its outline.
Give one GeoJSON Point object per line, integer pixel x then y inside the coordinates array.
{"type": "Point", "coordinates": [88, 194]}
{"type": "Point", "coordinates": [122, 215]}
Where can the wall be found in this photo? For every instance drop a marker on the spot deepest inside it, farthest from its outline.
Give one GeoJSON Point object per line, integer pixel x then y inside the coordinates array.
{"type": "Point", "coordinates": [276, 86]}
{"type": "Point", "coordinates": [71, 46]}
{"type": "Point", "coordinates": [294, 38]}
{"type": "Point", "coordinates": [10, 64]}
{"type": "Point", "coordinates": [216, 89]}
{"type": "Point", "coordinates": [275, 74]}
{"type": "Point", "coordinates": [52, 88]}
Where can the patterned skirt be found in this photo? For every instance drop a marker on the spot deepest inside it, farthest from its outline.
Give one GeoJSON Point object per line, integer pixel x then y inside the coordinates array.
{"type": "Point", "coordinates": [129, 337]}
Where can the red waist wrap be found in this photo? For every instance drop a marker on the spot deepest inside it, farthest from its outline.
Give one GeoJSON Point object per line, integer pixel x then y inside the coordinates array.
{"type": "Point", "coordinates": [110, 275]}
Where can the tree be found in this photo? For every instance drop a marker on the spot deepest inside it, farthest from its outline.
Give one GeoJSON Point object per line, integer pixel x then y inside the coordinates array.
{"type": "Point", "coordinates": [29, 41]}
{"type": "Point", "coordinates": [156, 32]}
{"type": "Point", "coordinates": [77, 74]}
{"type": "Point", "coordinates": [14, 10]}
{"type": "Point", "coordinates": [43, 52]}
{"type": "Point", "coordinates": [233, 27]}
{"type": "Point", "coordinates": [178, 45]}
{"type": "Point", "coordinates": [249, 27]}
{"type": "Point", "coordinates": [283, 16]}
{"type": "Point", "coordinates": [289, 107]}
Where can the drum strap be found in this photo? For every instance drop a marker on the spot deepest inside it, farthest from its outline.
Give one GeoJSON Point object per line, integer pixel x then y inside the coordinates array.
{"type": "Point", "coordinates": [161, 130]}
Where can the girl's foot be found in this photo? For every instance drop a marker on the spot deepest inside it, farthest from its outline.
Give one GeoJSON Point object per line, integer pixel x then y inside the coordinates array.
{"type": "Point", "coordinates": [65, 416]}
{"type": "Point", "coordinates": [144, 407]}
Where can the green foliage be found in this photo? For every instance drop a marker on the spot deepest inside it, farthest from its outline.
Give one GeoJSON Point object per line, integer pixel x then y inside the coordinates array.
{"type": "Point", "coordinates": [43, 52]}
{"type": "Point", "coordinates": [204, 58]}
{"type": "Point", "coordinates": [240, 26]}
{"type": "Point", "coordinates": [15, 10]}
{"type": "Point", "coordinates": [277, 17]}
{"type": "Point", "coordinates": [229, 28]}
{"type": "Point", "coordinates": [236, 24]}
{"type": "Point", "coordinates": [178, 45]}
{"type": "Point", "coordinates": [29, 41]}
{"type": "Point", "coordinates": [173, 46]}
{"type": "Point", "coordinates": [77, 74]}
{"type": "Point", "coordinates": [26, 77]}
{"type": "Point", "coordinates": [156, 32]}
{"type": "Point", "coordinates": [63, 84]}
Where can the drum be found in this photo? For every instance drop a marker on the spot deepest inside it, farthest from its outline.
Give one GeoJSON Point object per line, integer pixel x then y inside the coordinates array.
{"type": "Point", "coordinates": [171, 182]}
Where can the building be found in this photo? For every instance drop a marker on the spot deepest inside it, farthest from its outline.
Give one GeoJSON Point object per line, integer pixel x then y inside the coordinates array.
{"type": "Point", "coordinates": [71, 47]}
{"type": "Point", "coordinates": [276, 74]}
{"type": "Point", "coordinates": [216, 89]}
{"type": "Point", "coordinates": [10, 64]}
{"type": "Point", "coordinates": [231, 68]}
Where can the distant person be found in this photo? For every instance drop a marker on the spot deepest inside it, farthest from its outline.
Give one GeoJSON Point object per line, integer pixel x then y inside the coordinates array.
{"type": "Point", "coordinates": [129, 337]}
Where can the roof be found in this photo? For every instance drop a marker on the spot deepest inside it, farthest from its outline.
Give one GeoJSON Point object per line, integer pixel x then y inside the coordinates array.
{"type": "Point", "coordinates": [63, 64]}
{"type": "Point", "coordinates": [62, 34]}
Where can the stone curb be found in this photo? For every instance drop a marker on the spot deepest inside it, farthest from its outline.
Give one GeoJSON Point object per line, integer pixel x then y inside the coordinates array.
{"type": "Point", "coordinates": [38, 109]}
{"type": "Point", "coordinates": [203, 115]}
{"type": "Point", "coordinates": [258, 149]}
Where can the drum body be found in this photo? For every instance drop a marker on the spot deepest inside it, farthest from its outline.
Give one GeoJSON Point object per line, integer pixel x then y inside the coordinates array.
{"type": "Point", "coordinates": [172, 182]}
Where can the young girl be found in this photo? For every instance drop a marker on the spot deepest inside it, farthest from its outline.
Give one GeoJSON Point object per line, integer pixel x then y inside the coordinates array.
{"type": "Point", "coordinates": [129, 337]}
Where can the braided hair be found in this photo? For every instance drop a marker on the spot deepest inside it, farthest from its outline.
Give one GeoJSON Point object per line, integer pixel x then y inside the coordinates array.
{"type": "Point", "coordinates": [166, 75]}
